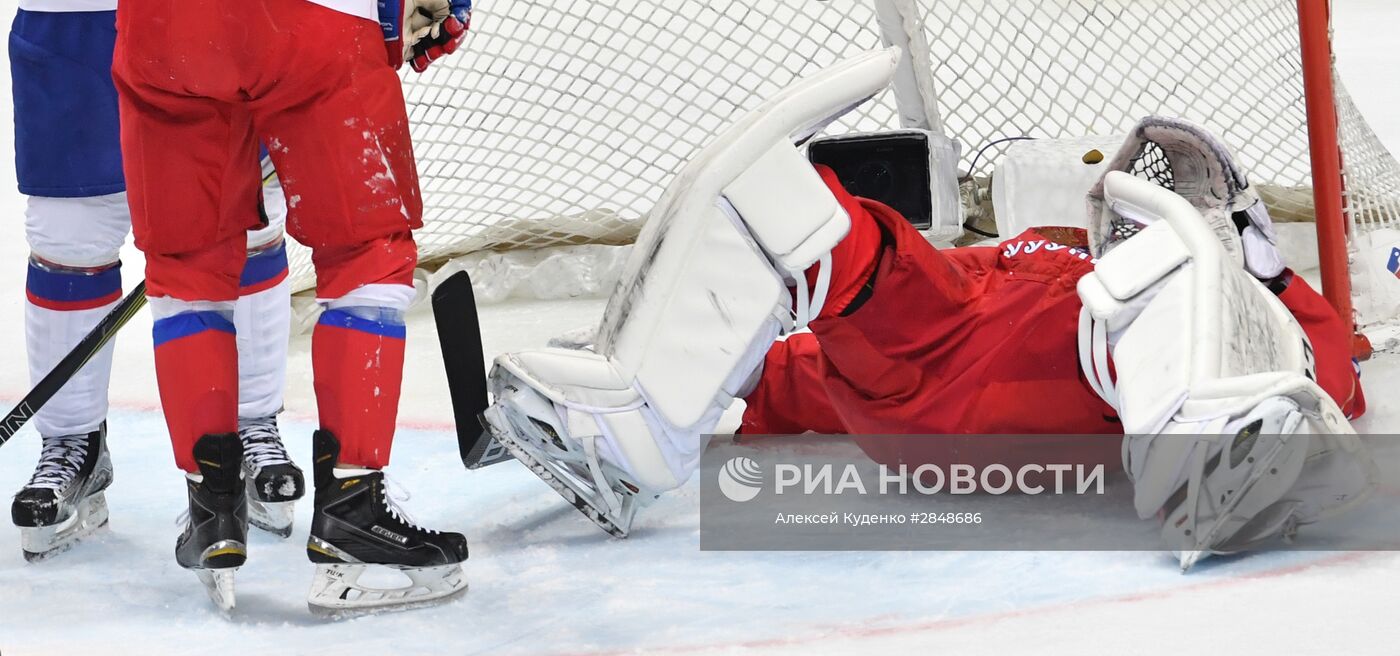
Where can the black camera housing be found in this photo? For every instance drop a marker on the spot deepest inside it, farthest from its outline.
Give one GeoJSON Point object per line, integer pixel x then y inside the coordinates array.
{"type": "Point", "coordinates": [893, 168]}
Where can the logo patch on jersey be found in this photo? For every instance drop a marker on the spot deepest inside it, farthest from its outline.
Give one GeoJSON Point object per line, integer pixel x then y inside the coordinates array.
{"type": "Point", "coordinates": [1394, 264]}
{"type": "Point", "coordinates": [1024, 247]}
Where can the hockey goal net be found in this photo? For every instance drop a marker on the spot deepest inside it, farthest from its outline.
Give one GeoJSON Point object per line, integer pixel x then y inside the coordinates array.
{"type": "Point", "coordinates": [561, 122]}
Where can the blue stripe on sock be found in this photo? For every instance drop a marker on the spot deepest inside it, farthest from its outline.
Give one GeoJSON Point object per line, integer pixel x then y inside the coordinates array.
{"type": "Point", "coordinates": [264, 266]}
{"type": "Point", "coordinates": [69, 286]}
{"type": "Point", "coordinates": [189, 323]}
{"type": "Point", "coordinates": [343, 319]}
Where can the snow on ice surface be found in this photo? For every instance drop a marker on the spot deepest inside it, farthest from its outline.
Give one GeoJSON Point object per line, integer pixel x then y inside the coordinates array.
{"type": "Point", "coordinates": [544, 580]}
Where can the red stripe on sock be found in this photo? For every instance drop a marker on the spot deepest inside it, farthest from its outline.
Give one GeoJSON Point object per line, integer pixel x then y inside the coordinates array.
{"type": "Point", "coordinates": [71, 306]}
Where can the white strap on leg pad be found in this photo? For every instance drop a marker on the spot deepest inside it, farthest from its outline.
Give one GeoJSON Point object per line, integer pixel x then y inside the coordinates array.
{"type": "Point", "coordinates": [787, 208]}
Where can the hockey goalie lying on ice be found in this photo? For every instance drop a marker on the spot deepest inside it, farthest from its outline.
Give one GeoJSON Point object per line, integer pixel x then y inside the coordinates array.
{"type": "Point", "coordinates": [1171, 321]}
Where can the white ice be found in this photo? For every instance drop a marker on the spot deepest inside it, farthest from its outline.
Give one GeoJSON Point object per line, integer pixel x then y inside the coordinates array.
{"type": "Point", "coordinates": [544, 580]}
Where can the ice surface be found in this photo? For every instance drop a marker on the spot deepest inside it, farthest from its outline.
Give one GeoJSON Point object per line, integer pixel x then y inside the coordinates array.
{"type": "Point", "coordinates": [544, 580]}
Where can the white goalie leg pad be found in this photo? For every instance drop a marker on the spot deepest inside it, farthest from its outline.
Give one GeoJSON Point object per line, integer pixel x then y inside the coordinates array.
{"type": "Point", "coordinates": [708, 278]}
{"type": "Point", "coordinates": [703, 295]}
{"type": "Point", "coordinates": [1229, 437]}
{"type": "Point", "coordinates": [611, 418]}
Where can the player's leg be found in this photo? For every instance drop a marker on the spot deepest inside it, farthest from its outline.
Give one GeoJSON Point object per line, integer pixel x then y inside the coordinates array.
{"type": "Point", "coordinates": [337, 131]}
{"type": "Point", "coordinates": [1231, 441]}
{"type": "Point", "coordinates": [703, 295]}
{"type": "Point", "coordinates": [191, 207]}
{"type": "Point", "coordinates": [69, 165]}
{"type": "Point", "coordinates": [788, 394]}
{"type": "Point", "coordinates": [262, 318]}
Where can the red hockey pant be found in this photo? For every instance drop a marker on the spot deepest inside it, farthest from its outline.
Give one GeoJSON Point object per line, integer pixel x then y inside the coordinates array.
{"type": "Point", "coordinates": [201, 82]}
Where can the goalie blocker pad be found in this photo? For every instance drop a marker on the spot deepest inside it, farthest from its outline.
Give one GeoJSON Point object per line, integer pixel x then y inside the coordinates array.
{"type": "Point", "coordinates": [1228, 435]}
{"type": "Point", "coordinates": [705, 291]}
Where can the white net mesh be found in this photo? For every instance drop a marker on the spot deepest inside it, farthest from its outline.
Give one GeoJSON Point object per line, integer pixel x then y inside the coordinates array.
{"type": "Point", "coordinates": [561, 122]}
{"type": "Point", "coordinates": [1065, 68]}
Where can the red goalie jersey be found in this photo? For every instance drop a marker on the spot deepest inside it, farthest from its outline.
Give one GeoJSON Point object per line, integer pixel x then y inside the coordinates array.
{"type": "Point", "coordinates": [977, 340]}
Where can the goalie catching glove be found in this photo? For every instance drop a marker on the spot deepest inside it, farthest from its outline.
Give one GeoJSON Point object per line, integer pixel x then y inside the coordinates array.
{"type": "Point", "coordinates": [422, 31]}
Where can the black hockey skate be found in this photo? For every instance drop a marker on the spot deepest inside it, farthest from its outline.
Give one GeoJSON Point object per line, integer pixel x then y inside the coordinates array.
{"type": "Point", "coordinates": [274, 481]}
{"type": "Point", "coordinates": [214, 543]}
{"type": "Point", "coordinates": [64, 500]}
{"type": "Point", "coordinates": [355, 525]}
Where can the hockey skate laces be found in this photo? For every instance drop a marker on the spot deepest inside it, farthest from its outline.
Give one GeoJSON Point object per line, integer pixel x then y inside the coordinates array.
{"type": "Point", "coordinates": [59, 461]}
{"type": "Point", "coordinates": [262, 444]}
{"type": "Point", "coordinates": [394, 494]}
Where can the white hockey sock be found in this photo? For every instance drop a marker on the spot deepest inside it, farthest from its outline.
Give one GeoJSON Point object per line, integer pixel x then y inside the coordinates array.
{"type": "Point", "coordinates": [61, 307]}
{"type": "Point", "coordinates": [263, 317]}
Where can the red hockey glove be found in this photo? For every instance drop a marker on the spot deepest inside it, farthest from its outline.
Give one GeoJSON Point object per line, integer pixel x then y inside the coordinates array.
{"type": "Point", "coordinates": [421, 31]}
{"type": "Point", "coordinates": [452, 18]}
{"type": "Point", "coordinates": [402, 25]}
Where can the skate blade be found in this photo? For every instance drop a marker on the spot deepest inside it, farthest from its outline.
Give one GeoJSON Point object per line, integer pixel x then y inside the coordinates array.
{"type": "Point", "coordinates": [273, 517]}
{"type": "Point", "coordinates": [1188, 559]}
{"type": "Point", "coordinates": [560, 482]}
{"type": "Point", "coordinates": [1205, 541]}
{"type": "Point", "coordinates": [43, 542]}
{"type": "Point", "coordinates": [336, 592]}
{"type": "Point", "coordinates": [219, 584]}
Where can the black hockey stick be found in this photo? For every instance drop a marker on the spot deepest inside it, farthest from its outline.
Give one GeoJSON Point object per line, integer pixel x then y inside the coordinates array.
{"type": "Point", "coordinates": [69, 366]}
{"type": "Point", "coordinates": [459, 335]}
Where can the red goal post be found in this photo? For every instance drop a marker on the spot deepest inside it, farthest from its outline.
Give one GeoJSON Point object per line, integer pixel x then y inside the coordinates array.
{"type": "Point", "coordinates": [1315, 39]}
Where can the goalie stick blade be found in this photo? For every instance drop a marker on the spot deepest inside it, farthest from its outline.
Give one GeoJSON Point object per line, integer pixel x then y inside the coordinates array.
{"type": "Point", "coordinates": [459, 335]}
